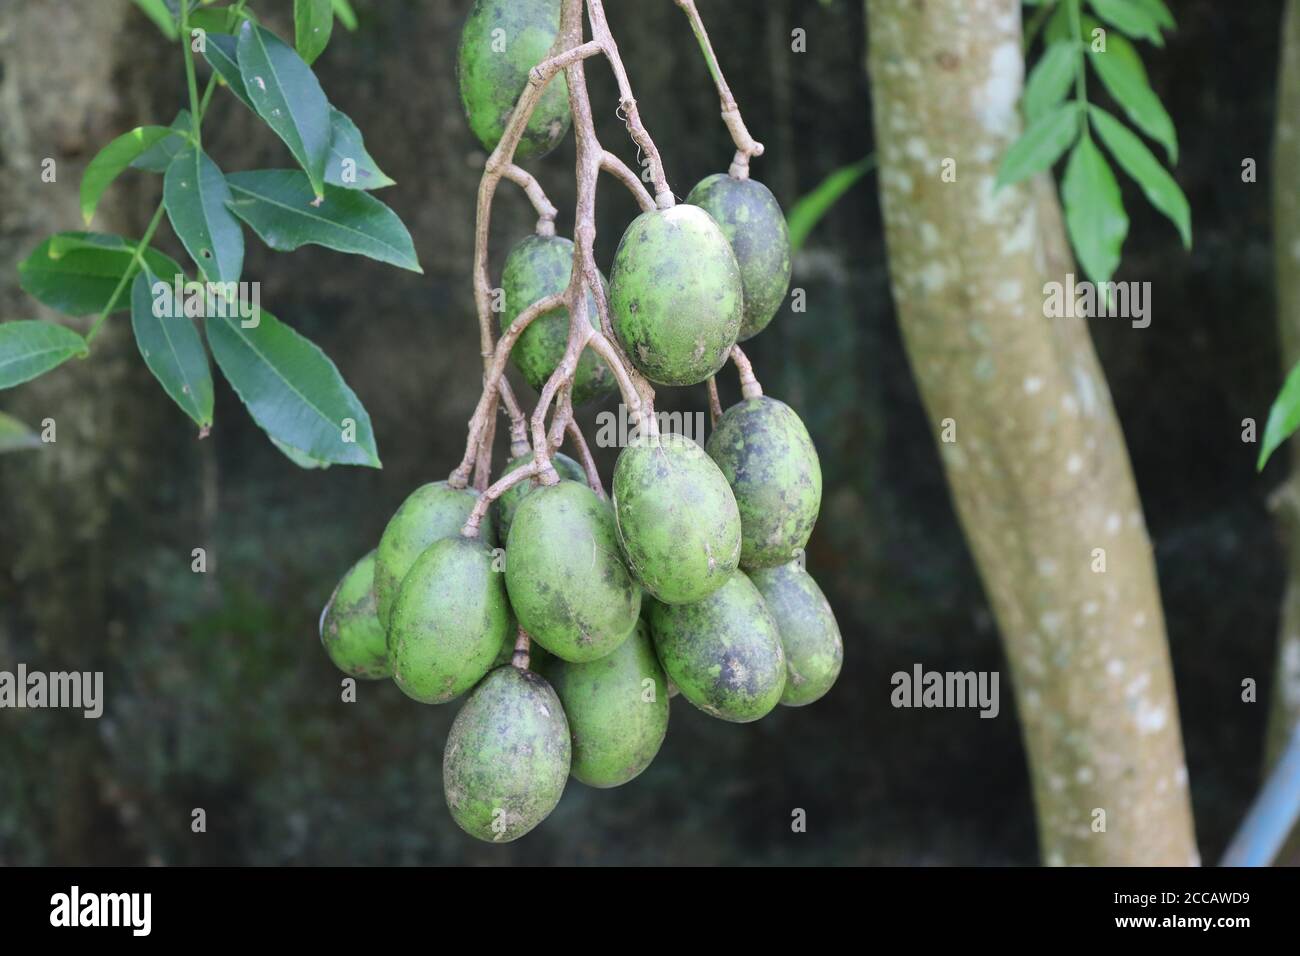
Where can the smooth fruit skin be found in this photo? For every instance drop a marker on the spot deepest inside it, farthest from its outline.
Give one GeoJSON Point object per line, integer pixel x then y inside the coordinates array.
{"type": "Point", "coordinates": [751, 219]}
{"type": "Point", "coordinates": [449, 621]}
{"type": "Point", "coordinates": [431, 512]}
{"type": "Point", "coordinates": [675, 295]}
{"type": "Point", "coordinates": [678, 521]}
{"type": "Point", "coordinates": [565, 576]}
{"type": "Point", "coordinates": [769, 459]}
{"type": "Point", "coordinates": [349, 626]}
{"type": "Point", "coordinates": [810, 636]}
{"type": "Point", "coordinates": [505, 505]}
{"type": "Point", "coordinates": [507, 756]}
{"type": "Point", "coordinates": [537, 267]}
{"type": "Point", "coordinates": [617, 709]}
{"type": "Point", "coordinates": [724, 653]}
{"type": "Point", "coordinates": [492, 68]}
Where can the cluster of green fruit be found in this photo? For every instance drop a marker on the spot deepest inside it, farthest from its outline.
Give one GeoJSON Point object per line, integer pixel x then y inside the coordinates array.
{"type": "Point", "coordinates": [690, 580]}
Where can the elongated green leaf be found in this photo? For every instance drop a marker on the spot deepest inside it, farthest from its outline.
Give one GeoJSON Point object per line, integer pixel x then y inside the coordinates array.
{"type": "Point", "coordinates": [156, 10]}
{"type": "Point", "coordinates": [77, 272]}
{"type": "Point", "coordinates": [1129, 17]}
{"type": "Point", "coordinates": [195, 194]}
{"type": "Point", "coordinates": [293, 390]}
{"type": "Point", "coordinates": [159, 156]}
{"type": "Point", "coordinates": [1094, 211]}
{"type": "Point", "coordinates": [347, 16]}
{"type": "Point", "coordinates": [171, 347]}
{"type": "Point", "coordinates": [1058, 25]}
{"type": "Point", "coordinates": [278, 204]}
{"type": "Point", "coordinates": [287, 95]}
{"type": "Point", "coordinates": [214, 21]}
{"type": "Point", "coordinates": [809, 210]}
{"type": "Point", "coordinates": [1051, 78]}
{"type": "Point", "coordinates": [313, 21]}
{"type": "Point", "coordinates": [298, 456]}
{"type": "Point", "coordinates": [1283, 417]}
{"type": "Point", "coordinates": [223, 56]}
{"type": "Point", "coordinates": [109, 163]}
{"type": "Point", "coordinates": [1140, 163]}
{"type": "Point", "coordinates": [30, 348]}
{"type": "Point", "coordinates": [350, 166]}
{"type": "Point", "coordinates": [1125, 78]}
{"type": "Point", "coordinates": [16, 436]}
{"type": "Point", "coordinates": [1158, 12]}
{"type": "Point", "coordinates": [1041, 144]}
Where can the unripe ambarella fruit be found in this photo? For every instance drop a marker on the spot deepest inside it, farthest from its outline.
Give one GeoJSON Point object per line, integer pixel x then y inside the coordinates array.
{"type": "Point", "coordinates": [507, 756]}
{"type": "Point", "coordinates": [675, 295]}
{"type": "Point", "coordinates": [349, 626]}
{"type": "Point", "coordinates": [501, 42]}
{"type": "Point", "coordinates": [565, 576]}
{"type": "Point", "coordinates": [431, 512]}
{"type": "Point", "coordinates": [508, 502]}
{"type": "Point", "coordinates": [540, 266]}
{"type": "Point", "coordinates": [751, 219]}
{"type": "Point", "coordinates": [677, 518]}
{"type": "Point", "coordinates": [724, 653]}
{"type": "Point", "coordinates": [814, 651]}
{"type": "Point", "coordinates": [617, 708]}
{"type": "Point", "coordinates": [449, 621]}
{"type": "Point", "coordinates": [765, 451]}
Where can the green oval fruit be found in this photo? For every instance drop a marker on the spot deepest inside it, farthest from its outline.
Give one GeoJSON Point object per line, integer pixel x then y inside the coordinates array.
{"type": "Point", "coordinates": [677, 518]}
{"type": "Point", "coordinates": [617, 709]}
{"type": "Point", "coordinates": [501, 42]}
{"type": "Point", "coordinates": [349, 626]}
{"type": "Point", "coordinates": [751, 219]}
{"type": "Point", "coordinates": [449, 621]}
{"type": "Point", "coordinates": [723, 653]}
{"type": "Point", "coordinates": [814, 651]}
{"type": "Point", "coordinates": [540, 266]}
{"type": "Point", "coordinates": [568, 470]}
{"type": "Point", "coordinates": [431, 512]}
{"type": "Point", "coordinates": [769, 459]}
{"type": "Point", "coordinates": [564, 574]}
{"type": "Point", "coordinates": [675, 295]}
{"type": "Point", "coordinates": [507, 756]}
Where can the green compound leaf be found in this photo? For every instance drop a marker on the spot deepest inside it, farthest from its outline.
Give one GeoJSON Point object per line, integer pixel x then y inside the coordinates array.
{"type": "Point", "coordinates": [1050, 78]}
{"type": "Point", "coordinates": [1094, 211]}
{"type": "Point", "coordinates": [30, 348]}
{"type": "Point", "coordinates": [1041, 145]}
{"type": "Point", "coordinates": [172, 349]}
{"type": "Point", "coordinates": [195, 195]}
{"type": "Point", "coordinates": [1140, 163]}
{"type": "Point", "coordinates": [313, 21]}
{"type": "Point", "coordinates": [110, 161]}
{"type": "Point", "coordinates": [1283, 417]}
{"type": "Point", "coordinates": [1125, 78]}
{"type": "Point", "coordinates": [78, 272]}
{"type": "Point", "coordinates": [15, 435]}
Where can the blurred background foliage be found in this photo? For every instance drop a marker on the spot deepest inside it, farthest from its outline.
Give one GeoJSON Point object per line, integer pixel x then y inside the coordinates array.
{"type": "Point", "coordinates": [218, 695]}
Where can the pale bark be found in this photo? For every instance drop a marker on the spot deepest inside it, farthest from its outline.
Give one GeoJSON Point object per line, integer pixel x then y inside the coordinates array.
{"type": "Point", "coordinates": [1039, 472]}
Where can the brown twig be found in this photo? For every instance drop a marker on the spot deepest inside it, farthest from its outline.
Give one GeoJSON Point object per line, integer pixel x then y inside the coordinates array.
{"type": "Point", "coordinates": [520, 657]}
{"type": "Point", "coordinates": [485, 499]}
{"type": "Point", "coordinates": [715, 403]}
{"type": "Point", "coordinates": [746, 145]}
{"type": "Point", "coordinates": [546, 211]}
{"type": "Point", "coordinates": [620, 171]}
{"type": "Point", "coordinates": [585, 458]}
{"type": "Point", "coordinates": [749, 387]}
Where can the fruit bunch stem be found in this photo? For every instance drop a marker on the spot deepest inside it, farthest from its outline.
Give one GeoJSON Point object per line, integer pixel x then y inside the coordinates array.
{"type": "Point", "coordinates": [567, 55]}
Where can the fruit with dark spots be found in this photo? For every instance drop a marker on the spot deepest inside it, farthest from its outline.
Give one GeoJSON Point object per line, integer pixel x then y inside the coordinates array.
{"type": "Point", "coordinates": [505, 505]}
{"type": "Point", "coordinates": [431, 512]}
{"type": "Point", "coordinates": [507, 756]}
{"type": "Point", "coordinates": [617, 708]}
{"type": "Point", "coordinates": [764, 450]}
{"type": "Point", "coordinates": [565, 576]}
{"type": "Point", "coordinates": [810, 636]}
{"type": "Point", "coordinates": [751, 219]}
{"type": "Point", "coordinates": [723, 653]}
{"type": "Point", "coordinates": [501, 42]}
{"type": "Point", "coordinates": [449, 621]}
{"type": "Point", "coordinates": [536, 268]}
{"type": "Point", "coordinates": [675, 295]}
{"type": "Point", "coordinates": [349, 626]}
{"type": "Point", "coordinates": [678, 522]}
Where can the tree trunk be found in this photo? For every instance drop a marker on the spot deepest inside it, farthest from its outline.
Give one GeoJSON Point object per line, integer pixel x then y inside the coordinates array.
{"type": "Point", "coordinates": [1038, 468]}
